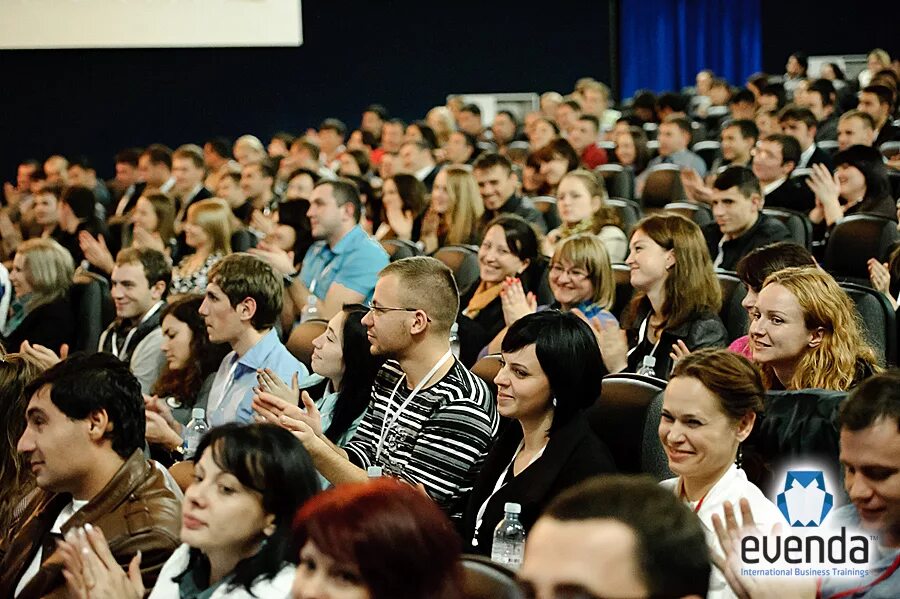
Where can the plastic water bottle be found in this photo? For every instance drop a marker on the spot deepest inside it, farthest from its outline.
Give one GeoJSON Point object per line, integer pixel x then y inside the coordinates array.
{"type": "Point", "coordinates": [648, 366]}
{"type": "Point", "coordinates": [454, 339]}
{"type": "Point", "coordinates": [194, 431]}
{"type": "Point", "coordinates": [509, 538]}
{"type": "Point", "coordinates": [310, 310]}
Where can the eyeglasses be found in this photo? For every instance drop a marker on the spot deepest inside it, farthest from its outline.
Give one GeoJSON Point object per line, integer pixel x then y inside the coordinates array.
{"type": "Point", "coordinates": [379, 310]}
{"type": "Point", "coordinates": [575, 274]}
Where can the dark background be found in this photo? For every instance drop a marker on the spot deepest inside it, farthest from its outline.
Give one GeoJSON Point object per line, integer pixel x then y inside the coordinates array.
{"type": "Point", "coordinates": [406, 55]}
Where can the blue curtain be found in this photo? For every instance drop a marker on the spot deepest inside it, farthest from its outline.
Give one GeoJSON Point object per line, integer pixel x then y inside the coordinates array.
{"type": "Point", "coordinates": [664, 43]}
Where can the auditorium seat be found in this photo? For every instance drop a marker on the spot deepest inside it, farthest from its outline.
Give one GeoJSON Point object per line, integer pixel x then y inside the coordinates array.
{"type": "Point", "coordinates": [651, 129]}
{"type": "Point", "coordinates": [878, 319]}
{"type": "Point", "coordinates": [619, 181]}
{"type": "Point", "coordinates": [889, 149]}
{"type": "Point", "coordinates": [733, 314]}
{"type": "Point", "coordinates": [797, 223]}
{"type": "Point", "coordinates": [485, 579]}
{"type": "Point", "coordinates": [300, 341]}
{"type": "Point", "coordinates": [708, 151]}
{"type": "Point", "coordinates": [626, 417]}
{"type": "Point", "coordinates": [463, 261]}
{"type": "Point", "coordinates": [853, 241]}
{"type": "Point", "coordinates": [662, 186]}
{"type": "Point", "coordinates": [829, 146]}
{"type": "Point", "coordinates": [629, 212]}
{"type": "Point", "coordinates": [544, 204]}
{"type": "Point", "coordinates": [397, 249]}
{"type": "Point", "coordinates": [242, 240]}
{"type": "Point", "coordinates": [624, 291]}
{"type": "Point", "coordinates": [93, 308]}
{"type": "Point", "coordinates": [699, 213]}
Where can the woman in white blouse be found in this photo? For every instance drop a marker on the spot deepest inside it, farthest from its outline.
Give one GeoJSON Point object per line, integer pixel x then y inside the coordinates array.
{"type": "Point", "coordinates": [709, 408]}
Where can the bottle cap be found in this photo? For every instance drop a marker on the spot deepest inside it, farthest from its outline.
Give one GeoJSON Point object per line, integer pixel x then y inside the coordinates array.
{"type": "Point", "coordinates": [198, 414]}
{"type": "Point", "coordinates": [512, 508]}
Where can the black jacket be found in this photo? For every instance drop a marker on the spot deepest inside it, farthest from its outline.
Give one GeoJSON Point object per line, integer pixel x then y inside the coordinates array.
{"type": "Point", "coordinates": [766, 230]}
{"type": "Point", "coordinates": [49, 325]}
{"type": "Point", "coordinates": [522, 206]}
{"type": "Point", "coordinates": [573, 454]}
{"type": "Point", "coordinates": [705, 330]}
{"type": "Point", "coordinates": [792, 196]}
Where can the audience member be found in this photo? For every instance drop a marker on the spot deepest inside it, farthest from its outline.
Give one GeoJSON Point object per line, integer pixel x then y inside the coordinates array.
{"type": "Point", "coordinates": [258, 185]}
{"type": "Point", "coordinates": [876, 60]}
{"type": "Point", "coordinates": [505, 129]}
{"type": "Point", "coordinates": [877, 101]}
{"type": "Point", "coordinates": [186, 378]}
{"type": "Point", "coordinates": [565, 115]}
{"type": "Point", "coordinates": [855, 127]}
{"type": "Point", "coordinates": [755, 267]}
{"type": "Point", "coordinates": [441, 121]}
{"type": "Point", "coordinates": [339, 268]}
{"type": "Point", "coordinates": [418, 161]}
{"type": "Point", "coordinates": [77, 214]}
{"type": "Point", "coordinates": [84, 442]}
{"type": "Point", "coordinates": [431, 421]}
{"type": "Point", "coordinates": [820, 98]}
{"type": "Point", "coordinates": [774, 159]}
{"type": "Point", "coordinates": [469, 121]}
{"type": "Point", "coordinates": [208, 232]}
{"type": "Point", "coordinates": [422, 132]}
{"type": "Point", "coordinates": [81, 173]}
{"type": "Point", "coordinates": [460, 148]}
{"type": "Point", "coordinates": [235, 535]}
{"type": "Point", "coordinates": [580, 277]}
{"type": "Point", "coordinates": [454, 212]}
{"type": "Point", "coordinates": [189, 170]}
{"type": "Point", "coordinates": [332, 133]}
{"type": "Point", "coordinates": [550, 373]}
{"type": "Point", "coordinates": [248, 149]}
{"type": "Point", "coordinates": [739, 226]}
{"type": "Point", "coordinates": [709, 409]}
{"type": "Point", "coordinates": [556, 159]}
{"type": "Point", "coordinates": [138, 285]}
{"type": "Point", "coordinates": [738, 139]}
{"type": "Point", "coordinates": [56, 171]}
{"type": "Point", "coordinates": [581, 201]}
{"type": "Point", "coordinates": [381, 540]}
{"type": "Point", "coordinates": [676, 302]}
{"type": "Point", "coordinates": [16, 483]}
{"type": "Point", "coordinates": [805, 333]}
{"type": "Point", "coordinates": [583, 135]}
{"type": "Point", "coordinates": [616, 536]}
{"type": "Point", "coordinates": [498, 185]}
{"type": "Point", "coordinates": [155, 170]}
{"type": "Point", "coordinates": [509, 250]}
{"type": "Point", "coordinates": [801, 123]}
{"type": "Point", "coordinates": [243, 301]}
{"type": "Point", "coordinates": [541, 133]}
{"type": "Point", "coordinates": [767, 123]}
{"type": "Point", "coordinates": [342, 358]}
{"type": "Point", "coordinates": [216, 157]}
{"type": "Point", "coordinates": [631, 149]}
{"type": "Point", "coordinates": [40, 312]}
{"type": "Point", "coordinates": [404, 203]}
{"type": "Point", "coordinates": [674, 136]}
{"type": "Point", "coordinates": [126, 182]}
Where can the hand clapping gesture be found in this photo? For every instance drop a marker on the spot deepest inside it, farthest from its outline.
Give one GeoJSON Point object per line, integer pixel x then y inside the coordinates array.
{"type": "Point", "coordinates": [828, 195]}
{"type": "Point", "coordinates": [91, 571]}
{"type": "Point", "coordinates": [516, 303]}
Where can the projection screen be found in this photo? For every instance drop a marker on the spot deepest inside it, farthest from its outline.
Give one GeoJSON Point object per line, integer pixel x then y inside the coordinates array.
{"type": "Point", "coordinates": [44, 24]}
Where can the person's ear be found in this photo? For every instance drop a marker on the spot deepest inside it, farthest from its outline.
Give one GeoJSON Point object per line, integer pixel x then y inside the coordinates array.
{"type": "Point", "coordinates": [745, 426]}
{"type": "Point", "coordinates": [670, 259]}
{"type": "Point", "coordinates": [246, 309]}
{"type": "Point", "coordinates": [596, 202]}
{"type": "Point", "coordinates": [757, 200]}
{"type": "Point", "coordinates": [419, 323]}
{"type": "Point", "coordinates": [269, 528]}
{"type": "Point", "coordinates": [525, 264]}
{"type": "Point", "coordinates": [816, 337]}
{"type": "Point", "coordinates": [158, 290]}
{"type": "Point", "coordinates": [98, 425]}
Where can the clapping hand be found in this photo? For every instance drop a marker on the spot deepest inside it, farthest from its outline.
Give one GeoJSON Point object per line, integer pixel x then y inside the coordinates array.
{"type": "Point", "coordinates": [91, 571]}
{"type": "Point", "coordinates": [44, 356]}
{"type": "Point", "coordinates": [828, 193]}
{"type": "Point", "coordinates": [270, 382]}
{"type": "Point", "coordinates": [516, 303]}
{"type": "Point", "coordinates": [611, 340]}
{"type": "Point", "coordinates": [281, 261]}
{"type": "Point", "coordinates": [96, 252]}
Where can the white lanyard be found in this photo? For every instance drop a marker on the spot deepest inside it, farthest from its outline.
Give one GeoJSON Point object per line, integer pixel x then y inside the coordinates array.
{"type": "Point", "coordinates": [115, 336]}
{"type": "Point", "coordinates": [388, 421]}
{"type": "Point", "coordinates": [325, 270]}
{"type": "Point", "coordinates": [642, 334]}
{"type": "Point", "coordinates": [500, 484]}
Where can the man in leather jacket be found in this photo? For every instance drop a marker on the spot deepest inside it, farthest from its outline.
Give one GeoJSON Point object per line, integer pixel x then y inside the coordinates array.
{"type": "Point", "coordinates": [83, 443]}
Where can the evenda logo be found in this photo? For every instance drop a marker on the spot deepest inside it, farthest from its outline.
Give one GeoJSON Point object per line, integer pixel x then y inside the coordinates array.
{"type": "Point", "coordinates": [812, 544]}
{"type": "Point", "coordinates": [804, 501]}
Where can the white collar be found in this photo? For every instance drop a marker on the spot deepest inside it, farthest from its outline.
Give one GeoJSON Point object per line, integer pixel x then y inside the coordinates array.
{"type": "Point", "coordinates": [805, 156]}
{"type": "Point", "coordinates": [423, 172]}
{"type": "Point", "coordinates": [773, 186]}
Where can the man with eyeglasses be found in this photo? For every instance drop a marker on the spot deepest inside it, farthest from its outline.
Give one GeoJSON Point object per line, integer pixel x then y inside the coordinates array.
{"type": "Point", "coordinates": [431, 422]}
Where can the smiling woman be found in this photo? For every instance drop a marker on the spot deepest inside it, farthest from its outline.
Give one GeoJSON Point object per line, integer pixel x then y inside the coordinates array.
{"type": "Point", "coordinates": [709, 408]}
{"type": "Point", "coordinates": [236, 515]}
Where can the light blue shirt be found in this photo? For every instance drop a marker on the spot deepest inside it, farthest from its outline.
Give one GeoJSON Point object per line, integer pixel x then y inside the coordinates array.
{"type": "Point", "coordinates": [353, 262]}
{"type": "Point", "coordinates": [231, 395]}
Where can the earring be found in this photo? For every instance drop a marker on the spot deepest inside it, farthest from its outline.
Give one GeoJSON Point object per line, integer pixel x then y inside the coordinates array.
{"type": "Point", "coordinates": [269, 530]}
{"type": "Point", "coordinates": [739, 460]}
{"type": "Point", "coordinates": [554, 402]}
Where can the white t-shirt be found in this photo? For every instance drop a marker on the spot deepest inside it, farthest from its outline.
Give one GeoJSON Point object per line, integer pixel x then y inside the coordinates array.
{"type": "Point", "coordinates": [64, 515]}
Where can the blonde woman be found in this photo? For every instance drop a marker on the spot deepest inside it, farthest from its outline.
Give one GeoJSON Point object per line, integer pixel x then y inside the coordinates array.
{"type": "Point", "coordinates": [41, 312]}
{"type": "Point", "coordinates": [207, 230]}
{"type": "Point", "coordinates": [455, 210]}
{"type": "Point", "coordinates": [805, 333]}
{"type": "Point", "coordinates": [581, 200]}
{"type": "Point", "coordinates": [440, 119]}
{"type": "Point", "coordinates": [581, 279]}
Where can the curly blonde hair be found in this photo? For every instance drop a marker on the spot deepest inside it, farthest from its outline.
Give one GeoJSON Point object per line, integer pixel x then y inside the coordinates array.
{"type": "Point", "coordinates": [834, 364]}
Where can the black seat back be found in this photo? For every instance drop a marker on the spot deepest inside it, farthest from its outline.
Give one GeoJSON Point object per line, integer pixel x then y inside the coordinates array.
{"type": "Point", "coordinates": [662, 186]}
{"type": "Point", "coordinates": [733, 314]}
{"type": "Point", "coordinates": [629, 212]}
{"type": "Point", "coordinates": [93, 308]}
{"type": "Point", "coordinates": [853, 241]}
{"type": "Point", "coordinates": [484, 579]}
{"type": "Point", "coordinates": [878, 319]}
{"type": "Point", "coordinates": [797, 223]}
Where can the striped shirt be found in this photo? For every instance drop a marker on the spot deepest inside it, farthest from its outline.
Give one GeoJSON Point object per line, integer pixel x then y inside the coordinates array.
{"type": "Point", "coordinates": [440, 440]}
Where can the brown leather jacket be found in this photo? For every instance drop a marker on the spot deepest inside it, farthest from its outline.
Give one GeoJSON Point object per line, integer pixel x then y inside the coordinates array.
{"type": "Point", "coordinates": [135, 510]}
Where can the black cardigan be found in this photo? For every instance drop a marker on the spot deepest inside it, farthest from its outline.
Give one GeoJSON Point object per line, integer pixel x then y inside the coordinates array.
{"type": "Point", "coordinates": [573, 454]}
{"type": "Point", "coordinates": [49, 325]}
